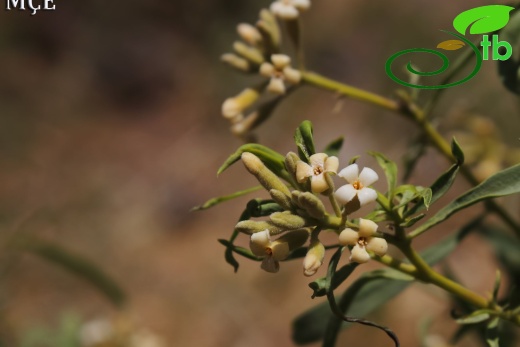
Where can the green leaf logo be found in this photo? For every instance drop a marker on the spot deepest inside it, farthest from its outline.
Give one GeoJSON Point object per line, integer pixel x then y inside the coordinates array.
{"type": "Point", "coordinates": [482, 20]}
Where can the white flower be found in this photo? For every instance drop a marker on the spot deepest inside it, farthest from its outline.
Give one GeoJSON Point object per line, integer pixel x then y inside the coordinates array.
{"type": "Point", "coordinates": [363, 240]}
{"type": "Point", "coordinates": [289, 9]}
{"type": "Point", "coordinates": [320, 163]}
{"type": "Point", "coordinates": [279, 72]}
{"type": "Point", "coordinates": [358, 185]}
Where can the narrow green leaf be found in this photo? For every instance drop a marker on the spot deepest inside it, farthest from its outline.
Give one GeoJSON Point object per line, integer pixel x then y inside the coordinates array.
{"type": "Point", "coordinates": [334, 147]}
{"type": "Point", "coordinates": [457, 152]}
{"type": "Point", "coordinates": [304, 141]}
{"type": "Point", "coordinates": [273, 160]}
{"type": "Point", "coordinates": [438, 189]}
{"type": "Point", "coordinates": [483, 19]}
{"type": "Point", "coordinates": [390, 169]}
{"type": "Point", "coordinates": [492, 334]}
{"type": "Point", "coordinates": [474, 318]}
{"type": "Point", "coordinates": [318, 286]}
{"type": "Point", "coordinates": [75, 264]}
{"type": "Point", "coordinates": [503, 183]}
{"type": "Point", "coordinates": [411, 221]}
{"type": "Point", "coordinates": [239, 250]}
{"type": "Point", "coordinates": [215, 201]}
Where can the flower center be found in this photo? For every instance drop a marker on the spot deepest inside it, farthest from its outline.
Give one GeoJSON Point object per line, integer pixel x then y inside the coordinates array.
{"type": "Point", "coordinates": [362, 241]}
{"type": "Point", "coordinates": [268, 251]}
{"type": "Point", "coordinates": [357, 185]}
{"type": "Point", "coordinates": [317, 170]}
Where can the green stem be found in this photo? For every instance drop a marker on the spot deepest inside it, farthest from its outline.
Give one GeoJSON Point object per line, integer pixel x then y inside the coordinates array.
{"type": "Point", "coordinates": [407, 108]}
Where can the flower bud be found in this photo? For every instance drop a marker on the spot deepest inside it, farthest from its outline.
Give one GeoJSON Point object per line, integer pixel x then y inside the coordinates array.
{"type": "Point", "coordinates": [250, 53]}
{"type": "Point", "coordinates": [237, 104]}
{"type": "Point", "coordinates": [281, 199]}
{"type": "Point", "coordinates": [287, 220]}
{"type": "Point", "coordinates": [291, 160]}
{"type": "Point", "coordinates": [251, 227]}
{"type": "Point", "coordinates": [249, 33]}
{"type": "Point", "coordinates": [314, 258]}
{"type": "Point", "coordinates": [295, 238]}
{"type": "Point", "coordinates": [265, 176]}
{"type": "Point", "coordinates": [312, 205]}
{"type": "Point", "coordinates": [236, 62]}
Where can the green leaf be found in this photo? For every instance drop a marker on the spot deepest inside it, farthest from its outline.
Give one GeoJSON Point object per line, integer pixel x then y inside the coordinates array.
{"type": "Point", "coordinates": [239, 250]}
{"type": "Point", "coordinates": [215, 201]}
{"type": "Point", "coordinates": [75, 264]}
{"type": "Point", "coordinates": [304, 140]}
{"type": "Point", "coordinates": [438, 189]}
{"type": "Point", "coordinates": [503, 183]}
{"type": "Point", "coordinates": [474, 318]}
{"type": "Point", "coordinates": [411, 221]}
{"type": "Point", "coordinates": [509, 70]}
{"type": "Point", "coordinates": [318, 286]}
{"type": "Point", "coordinates": [369, 292]}
{"type": "Point", "coordinates": [492, 334]}
{"type": "Point", "coordinates": [457, 152]}
{"type": "Point", "coordinates": [334, 147]}
{"type": "Point", "coordinates": [273, 160]}
{"type": "Point", "coordinates": [390, 169]}
{"type": "Point", "coordinates": [483, 19]}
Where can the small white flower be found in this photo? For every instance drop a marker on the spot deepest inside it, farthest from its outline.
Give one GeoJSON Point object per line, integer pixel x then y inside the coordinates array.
{"type": "Point", "coordinates": [320, 163]}
{"type": "Point", "coordinates": [289, 9]}
{"type": "Point", "coordinates": [272, 251]}
{"type": "Point", "coordinates": [363, 240]}
{"type": "Point", "coordinates": [280, 71]}
{"type": "Point", "coordinates": [358, 185]}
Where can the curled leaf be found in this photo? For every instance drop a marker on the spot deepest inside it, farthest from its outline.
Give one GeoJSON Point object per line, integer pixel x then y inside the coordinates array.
{"type": "Point", "coordinates": [451, 45]}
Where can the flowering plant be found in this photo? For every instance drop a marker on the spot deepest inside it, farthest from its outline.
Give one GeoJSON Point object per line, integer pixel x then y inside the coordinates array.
{"type": "Point", "coordinates": [304, 202]}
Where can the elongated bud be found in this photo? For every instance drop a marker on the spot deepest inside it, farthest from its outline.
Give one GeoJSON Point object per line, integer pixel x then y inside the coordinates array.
{"type": "Point", "coordinates": [249, 33]}
{"type": "Point", "coordinates": [291, 160]}
{"type": "Point", "coordinates": [269, 29]}
{"type": "Point", "coordinates": [236, 62]}
{"type": "Point", "coordinates": [265, 176]}
{"type": "Point", "coordinates": [251, 226]}
{"type": "Point", "coordinates": [314, 258]}
{"type": "Point", "coordinates": [250, 53]}
{"type": "Point", "coordinates": [236, 105]}
{"type": "Point", "coordinates": [312, 205]}
{"type": "Point", "coordinates": [287, 220]}
{"type": "Point", "coordinates": [282, 199]}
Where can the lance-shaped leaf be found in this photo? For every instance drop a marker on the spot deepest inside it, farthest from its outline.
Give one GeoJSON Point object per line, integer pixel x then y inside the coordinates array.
{"type": "Point", "coordinates": [334, 147]}
{"type": "Point", "coordinates": [503, 183]}
{"type": "Point", "coordinates": [215, 201]}
{"type": "Point", "coordinates": [273, 160]}
{"type": "Point", "coordinates": [304, 140]}
{"type": "Point", "coordinates": [390, 169]}
{"type": "Point", "coordinates": [483, 19]}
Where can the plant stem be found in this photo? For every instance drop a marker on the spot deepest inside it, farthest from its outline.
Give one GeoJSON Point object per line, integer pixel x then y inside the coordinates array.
{"type": "Point", "coordinates": [411, 110]}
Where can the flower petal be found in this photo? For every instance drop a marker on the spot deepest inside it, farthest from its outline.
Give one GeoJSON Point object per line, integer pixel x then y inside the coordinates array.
{"type": "Point", "coordinates": [259, 243]}
{"type": "Point", "coordinates": [377, 245]}
{"type": "Point", "coordinates": [319, 184]}
{"type": "Point", "coordinates": [348, 237]}
{"type": "Point", "coordinates": [276, 86]}
{"type": "Point", "coordinates": [280, 60]}
{"type": "Point", "coordinates": [345, 193]}
{"type": "Point", "coordinates": [270, 265]}
{"type": "Point", "coordinates": [350, 173]}
{"type": "Point", "coordinates": [367, 228]}
{"type": "Point", "coordinates": [267, 69]}
{"type": "Point", "coordinates": [366, 195]}
{"type": "Point", "coordinates": [292, 75]}
{"type": "Point", "coordinates": [301, 4]}
{"type": "Point", "coordinates": [303, 170]}
{"type": "Point", "coordinates": [318, 159]}
{"type": "Point", "coordinates": [280, 250]}
{"type": "Point", "coordinates": [359, 254]}
{"type": "Point", "coordinates": [368, 176]}
{"type": "Point", "coordinates": [332, 164]}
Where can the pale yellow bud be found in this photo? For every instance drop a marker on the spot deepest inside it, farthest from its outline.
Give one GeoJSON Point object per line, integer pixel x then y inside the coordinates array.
{"type": "Point", "coordinates": [265, 176]}
{"type": "Point", "coordinates": [249, 33]}
{"type": "Point", "coordinates": [287, 220]}
{"type": "Point", "coordinates": [314, 258]}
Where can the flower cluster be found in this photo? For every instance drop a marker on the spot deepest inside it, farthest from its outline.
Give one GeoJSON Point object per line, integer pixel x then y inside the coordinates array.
{"type": "Point", "coordinates": [301, 215]}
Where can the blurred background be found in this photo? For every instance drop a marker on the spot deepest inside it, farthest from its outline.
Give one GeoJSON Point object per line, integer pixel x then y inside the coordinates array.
{"type": "Point", "coordinates": [110, 132]}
